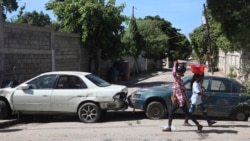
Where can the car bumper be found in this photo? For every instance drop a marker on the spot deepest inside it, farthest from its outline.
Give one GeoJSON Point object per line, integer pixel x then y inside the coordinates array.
{"type": "Point", "coordinates": [135, 103]}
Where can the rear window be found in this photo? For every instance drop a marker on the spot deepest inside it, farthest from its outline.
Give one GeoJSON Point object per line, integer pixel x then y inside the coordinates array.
{"type": "Point", "coordinates": [97, 80]}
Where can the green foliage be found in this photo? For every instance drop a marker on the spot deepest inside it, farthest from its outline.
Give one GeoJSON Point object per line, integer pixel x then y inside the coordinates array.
{"type": "Point", "coordinates": [199, 43]}
{"type": "Point", "coordinates": [159, 39]}
{"type": "Point", "coordinates": [205, 44]}
{"type": "Point", "coordinates": [98, 22]}
{"type": "Point", "coordinates": [247, 84]}
{"type": "Point", "coordinates": [137, 40]}
{"type": "Point", "coordinates": [233, 17]}
{"type": "Point", "coordinates": [231, 72]}
{"type": "Point", "coordinates": [218, 38]}
{"type": "Point", "coordinates": [177, 44]}
{"type": "Point", "coordinates": [34, 18]}
{"type": "Point", "coordinates": [155, 38]}
{"type": "Point", "coordinates": [245, 70]}
{"type": "Point", "coordinates": [180, 47]}
{"type": "Point", "coordinates": [8, 6]}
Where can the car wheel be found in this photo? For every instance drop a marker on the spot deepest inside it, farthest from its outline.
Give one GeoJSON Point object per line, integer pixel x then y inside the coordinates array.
{"type": "Point", "coordinates": [241, 116]}
{"type": "Point", "coordinates": [156, 110]}
{"type": "Point", "coordinates": [89, 113]}
{"type": "Point", "coordinates": [4, 110]}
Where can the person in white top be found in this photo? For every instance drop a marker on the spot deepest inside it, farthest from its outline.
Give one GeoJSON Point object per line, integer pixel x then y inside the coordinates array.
{"type": "Point", "coordinates": [196, 99]}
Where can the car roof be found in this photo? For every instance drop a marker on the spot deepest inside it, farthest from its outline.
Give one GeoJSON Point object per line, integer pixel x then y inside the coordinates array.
{"type": "Point", "coordinates": [188, 77]}
{"type": "Point", "coordinates": [66, 73]}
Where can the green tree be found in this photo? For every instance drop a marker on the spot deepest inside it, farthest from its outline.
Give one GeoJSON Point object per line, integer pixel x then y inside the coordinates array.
{"type": "Point", "coordinates": [162, 39]}
{"type": "Point", "coordinates": [233, 16]}
{"type": "Point", "coordinates": [8, 6]}
{"type": "Point", "coordinates": [155, 38]}
{"type": "Point", "coordinates": [136, 38]}
{"type": "Point", "coordinates": [199, 43]}
{"type": "Point", "coordinates": [34, 18]}
{"type": "Point", "coordinates": [98, 22]}
{"type": "Point", "coordinates": [179, 47]}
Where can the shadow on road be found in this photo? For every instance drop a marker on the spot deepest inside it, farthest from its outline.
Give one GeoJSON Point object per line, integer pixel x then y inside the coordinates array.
{"type": "Point", "coordinates": [123, 116]}
{"type": "Point", "coordinates": [110, 116]}
{"type": "Point", "coordinates": [113, 116]}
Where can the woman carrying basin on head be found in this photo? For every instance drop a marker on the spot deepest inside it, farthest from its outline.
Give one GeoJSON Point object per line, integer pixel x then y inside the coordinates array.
{"type": "Point", "coordinates": [180, 94]}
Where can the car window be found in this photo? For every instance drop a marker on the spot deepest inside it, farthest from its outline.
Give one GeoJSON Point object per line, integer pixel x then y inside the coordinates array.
{"type": "Point", "coordinates": [70, 82]}
{"type": "Point", "coordinates": [221, 85]}
{"type": "Point", "coordinates": [97, 80]}
{"type": "Point", "coordinates": [205, 83]}
{"type": "Point", "coordinates": [43, 82]}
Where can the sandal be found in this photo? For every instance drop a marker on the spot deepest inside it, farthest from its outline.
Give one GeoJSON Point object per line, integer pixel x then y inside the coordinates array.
{"type": "Point", "coordinates": [167, 129]}
{"type": "Point", "coordinates": [211, 123]}
{"type": "Point", "coordinates": [199, 130]}
{"type": "Point", "coordinates": [187, 124]}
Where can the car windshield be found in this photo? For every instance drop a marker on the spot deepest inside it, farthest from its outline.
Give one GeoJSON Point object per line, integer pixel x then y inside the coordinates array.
{"type": "Point", "coordinates": [97, 80]}
{"type": "Point", "coordinates": [186, 78]}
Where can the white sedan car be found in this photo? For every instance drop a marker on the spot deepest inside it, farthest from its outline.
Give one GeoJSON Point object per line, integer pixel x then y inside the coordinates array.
{"type": "Point", "coordinates": [63, 92]}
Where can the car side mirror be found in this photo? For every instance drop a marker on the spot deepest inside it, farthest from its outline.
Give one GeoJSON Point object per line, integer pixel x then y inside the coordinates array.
{"type": "Point", "coordinates": [24, 87]}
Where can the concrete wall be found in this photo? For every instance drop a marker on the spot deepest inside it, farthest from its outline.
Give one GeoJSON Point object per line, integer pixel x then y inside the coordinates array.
{"type": "Point", "coordinates": [26, 51]}
{"type": "Point", "coordinates": [227, 60]}
{"type": "Point", "coordinates": [238, 60]}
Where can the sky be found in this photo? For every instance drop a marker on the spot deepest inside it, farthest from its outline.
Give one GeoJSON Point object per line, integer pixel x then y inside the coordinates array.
{"type": "Point", "coordinates": [185, 15]}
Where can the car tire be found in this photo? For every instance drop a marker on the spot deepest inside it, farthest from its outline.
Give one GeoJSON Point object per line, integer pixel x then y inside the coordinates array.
{"type": "Point", "coordinates": [89, 112]}
{"type": "Point", "coordinates": [241, 116]}
{"type": "Point", "coordinates": [156, 110]}
{"type": "Point", "coordinates": [4, 110]}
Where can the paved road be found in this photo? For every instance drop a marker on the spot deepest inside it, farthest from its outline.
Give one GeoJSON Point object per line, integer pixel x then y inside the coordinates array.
{"type": "Point", "coordinates": [118, 128]}
{"type": "Point", "coordinates": [125, 125]}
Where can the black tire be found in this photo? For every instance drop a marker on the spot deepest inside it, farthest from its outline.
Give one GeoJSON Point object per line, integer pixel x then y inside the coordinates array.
{"type": "Point", "coordinates": [4, 110]}
{"type": "Point", "coordinates": [156, 110]}
{"type": "Point", "coordinates": [89, 113]}
{"type": "Point", "coordinates": [241, 116]}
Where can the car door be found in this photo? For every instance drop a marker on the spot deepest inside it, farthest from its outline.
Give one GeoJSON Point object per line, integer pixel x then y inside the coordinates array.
{"type": "Point", "coordinates": [37, 97]}
{"type": "Point", "coordinates": [222, 97]}
{"type": "Point", "coordinates": [70, 90]}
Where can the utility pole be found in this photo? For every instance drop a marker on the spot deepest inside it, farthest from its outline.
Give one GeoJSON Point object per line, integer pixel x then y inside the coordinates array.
{"type": "Point", "coordinates": [209, 40]}
{"type": "Point", "coordinates": [133, 12]}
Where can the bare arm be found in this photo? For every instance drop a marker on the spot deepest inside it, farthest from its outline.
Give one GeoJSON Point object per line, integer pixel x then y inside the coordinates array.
{"type": "Point", "coordinates": [181, 61]}
{"type": "Point", "coordinates": [203, 94]}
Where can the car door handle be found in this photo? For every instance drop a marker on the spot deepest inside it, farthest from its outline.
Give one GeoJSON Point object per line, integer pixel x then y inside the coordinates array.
{"type": "Point", "coordinates": [44, 95]}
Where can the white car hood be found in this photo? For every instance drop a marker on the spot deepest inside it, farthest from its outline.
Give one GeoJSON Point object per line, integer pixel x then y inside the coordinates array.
{"type": "Point", "coordinates": [116, 86]}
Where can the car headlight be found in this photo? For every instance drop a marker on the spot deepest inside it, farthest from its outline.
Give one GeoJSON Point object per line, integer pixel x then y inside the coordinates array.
{"type": "Point", "coordinates": [136, 95]}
